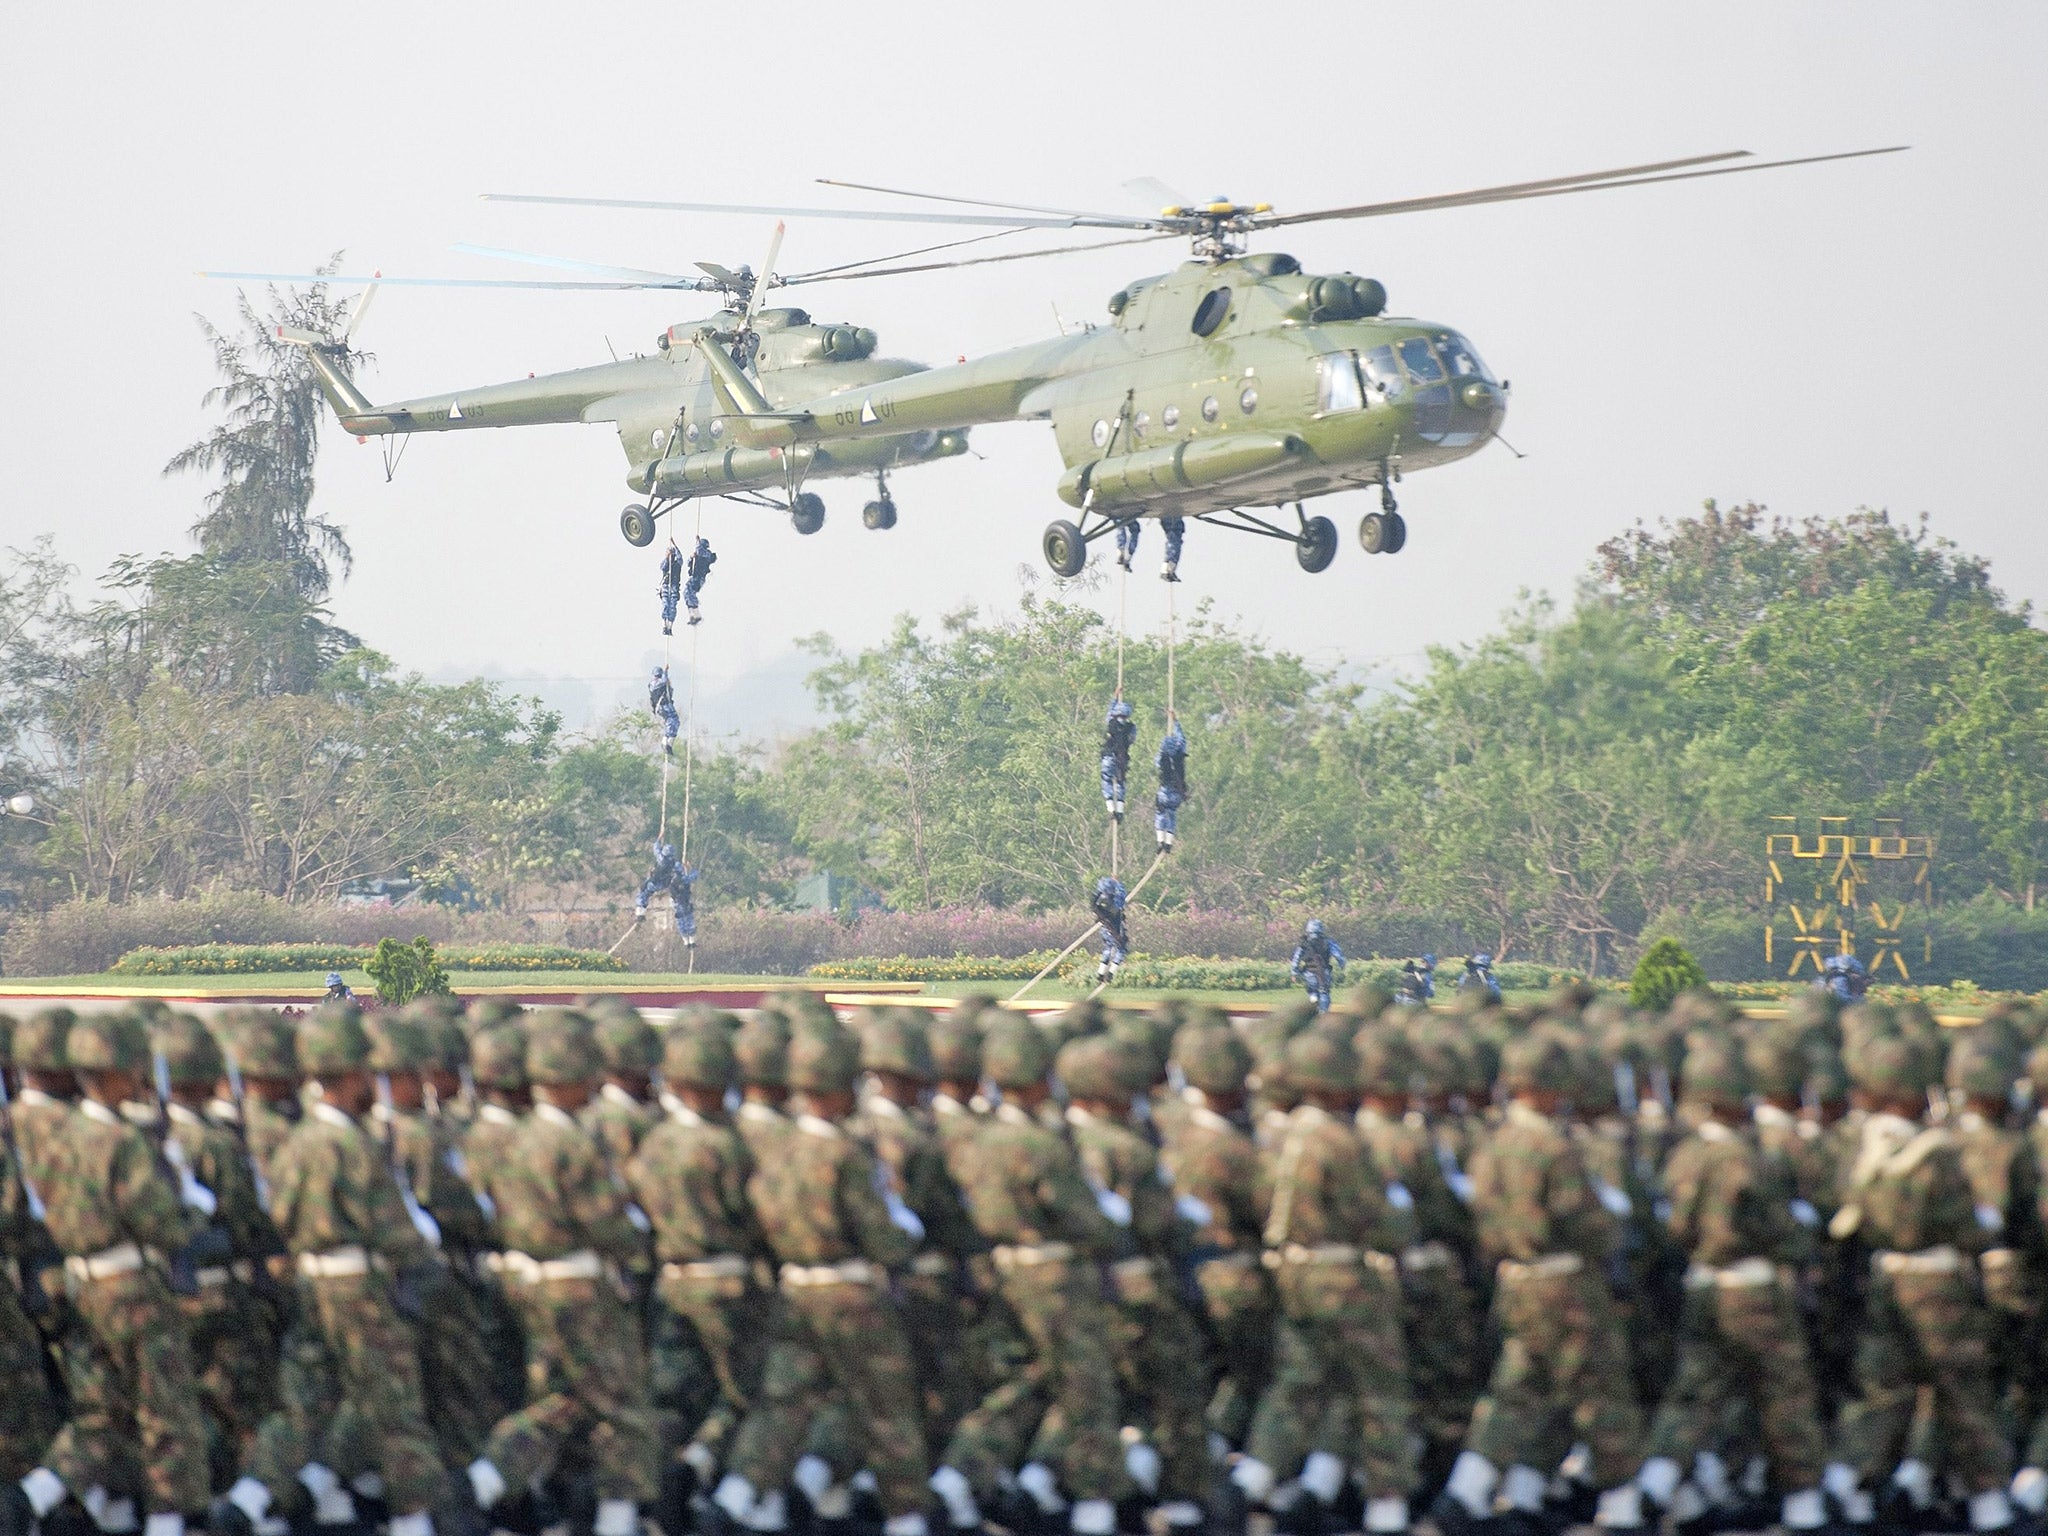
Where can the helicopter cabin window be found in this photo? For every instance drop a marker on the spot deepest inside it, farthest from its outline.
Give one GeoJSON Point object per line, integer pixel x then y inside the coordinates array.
{"type": "Point", "coordinates": [1101, 433]}
{"type": "Point", "coordinates": [1170, 417]}
{"type": "Point", "coordinates": [1211, 311]}
{"type": "Point", "coordinates": [1249, 400]}
{"type": "Point", "coordinates": [1140, 422]}
{"type": "Point", "coordinates": [1382, 372]}
{"type": "Point", "coordinates": [1338, 389]}
{"type": "Point", "coordinates": [1210, 409]}
{"type": "Point", "coordinates": [1459, 357]}
{"type": "Point", "coordinates": [1421, 363]}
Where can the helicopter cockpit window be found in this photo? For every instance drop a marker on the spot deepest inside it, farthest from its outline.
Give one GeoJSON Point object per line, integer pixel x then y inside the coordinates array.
{"type": "Point", "coordinates": [1382, 372]}
{"type": "Point", "coordinates": [1210, 312]}
{"type": "Point", "coordinates": [1459, 357]}
{"type": "Point", "coordinates": [1339, 388]}
{"type": "Point", "coordinates": [1421, 363]}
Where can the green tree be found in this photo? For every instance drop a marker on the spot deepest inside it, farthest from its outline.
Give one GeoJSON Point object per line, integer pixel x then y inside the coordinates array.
{"type": "Point", "coordinates": [1666, 969]}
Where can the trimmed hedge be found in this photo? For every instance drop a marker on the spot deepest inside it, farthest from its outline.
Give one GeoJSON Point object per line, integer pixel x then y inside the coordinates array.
{"type": "Point", "coordinates": [268, 959]}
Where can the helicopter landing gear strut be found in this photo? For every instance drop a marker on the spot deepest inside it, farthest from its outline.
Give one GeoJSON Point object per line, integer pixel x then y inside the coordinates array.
{"type": "Point", "coordinates": [879, 514]}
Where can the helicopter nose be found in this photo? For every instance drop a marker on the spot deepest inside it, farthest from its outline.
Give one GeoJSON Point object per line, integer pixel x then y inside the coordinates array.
{"type": "Point", "coordinates": [1478, 395]}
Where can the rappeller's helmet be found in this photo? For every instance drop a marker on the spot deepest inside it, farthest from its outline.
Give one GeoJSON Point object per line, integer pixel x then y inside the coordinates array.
{"type": "Point", "coordinates": [334, 978]}
{"type": "Point", "coordinates": [1120, 710]}
{"type": "Point", "coordinates": [1314, 930]}
{"type": "Point", "coordinates": [1429, 960]}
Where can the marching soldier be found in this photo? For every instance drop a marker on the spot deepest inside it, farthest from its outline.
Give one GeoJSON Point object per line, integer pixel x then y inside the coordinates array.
{"type": "Point", "coordinates": [28, 1409]}
{"type": "Point", "coordinates": [561, 1215]}
{"type": "Point", "coordinates": [1562, 1371]}
{"type": "Point", "coordinates": [1333, 1236]}
{"type": "Point", "coordinates": [623, 1109]}
{"type": "Point", "coordinates": [116, 1213]}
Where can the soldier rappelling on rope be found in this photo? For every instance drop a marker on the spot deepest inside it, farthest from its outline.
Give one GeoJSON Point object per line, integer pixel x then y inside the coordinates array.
{"type": "Point", "coordinates": [1175, 529]}
{"type": "Point", "coordinates": [672, 875]}
{"type": "Point", "coordinates": [661, 699]}
{"type": "Point", "coordinates": [1118, 734]}
{"type": "Point", "coordinates": [1107, 907]}
{"type": "Point", "coordinates": [699, 566]}
{"type": "Point", "coordinates": [1173, 783]}
{"type": "Point", "coordinates": [671, 587]}
{"type": "Point", "coordinates": [1316, 962]}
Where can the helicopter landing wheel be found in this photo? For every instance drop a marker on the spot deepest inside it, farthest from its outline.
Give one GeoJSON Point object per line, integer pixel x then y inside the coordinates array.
{"type": "Point", "coordinates": [807, 512]}
{"type": "Point", "coordinates": [637, 524]}
{"type": "Point", "coordinates": [1387, 503]}
{"type": "Point", "coordinates": [878, 516]}
{"type": "Point", "coordinates": [1372, 533]}
{"type": "Point", "coordinates": [1317, 546]}
{"type": "Point", "coordinates": [1065, 550]}
{"type": "Point", "coordinates": [1397, 533]}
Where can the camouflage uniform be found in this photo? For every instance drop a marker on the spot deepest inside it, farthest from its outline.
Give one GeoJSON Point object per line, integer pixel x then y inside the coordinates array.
{"type": "Point", "coordinates": [457, 1373]}
{"type": "Point", "coordinates": [1910, 1204]}
{"type": "Point", "coordinates": [690, 1176]}
{"type": "Point", "coordinates": [1441, 1322]}
{"type": "Point", "coordinates": [1562, 1373]}
{"type": "Point", "coordinates": [338, 1208]}
{"type": "Point", "coordinates": [936, 1311]}
{"type": "Point", "coordinates": [1027, 1197]}
{"type": "Point", "coordinates": [1741, 1339]}
{"type": "Point", "coordinates": [561, 1214]}
{"type": "Point", "coordinates": [114, 1210]}
{"type": "Point", "coordinates": [1160, 1358]}
{"type": "Point", "coordinates": [821, 1207]}
{"type": "Point", "coordinates": [498, 1067]}
{"type": "Point", "coordinates": [233, 1330]}
{"type": "Point", "coordinates": [620, 1115]}
{"type": "Point", "coordinates": [28, 1408]}
{"type": "Point", "coordinates": [1214, 1163]}
{"type": "Point", "coordinates": [1333, 1238]}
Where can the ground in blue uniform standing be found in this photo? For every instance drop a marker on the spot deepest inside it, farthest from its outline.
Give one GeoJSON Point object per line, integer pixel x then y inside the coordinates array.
{"type": "Point", "coordinates": [1316, 962]}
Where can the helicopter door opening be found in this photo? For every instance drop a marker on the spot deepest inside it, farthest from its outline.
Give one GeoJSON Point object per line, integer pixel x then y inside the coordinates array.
{"type": "Point", "coordinates": [1383, 375]}
{"type": "Point", "coordinates": [1338, 388]}
{"type": "Point", "coordinates": [1432, 389]}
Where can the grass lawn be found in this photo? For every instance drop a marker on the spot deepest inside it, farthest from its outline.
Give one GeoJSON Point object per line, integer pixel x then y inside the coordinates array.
{"type": "Point", "coordinates": [314, 983]}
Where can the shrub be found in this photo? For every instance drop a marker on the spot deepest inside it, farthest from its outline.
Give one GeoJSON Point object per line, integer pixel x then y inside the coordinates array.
{"type": "Point", "coordinates": [1666, 969]}
{"type": "Point", "coordinates": [269, 959]}
{"type": "Point", "coordinates": [406, 971]}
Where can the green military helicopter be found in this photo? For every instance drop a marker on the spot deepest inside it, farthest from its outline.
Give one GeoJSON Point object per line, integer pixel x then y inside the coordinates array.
{"type": "Point", "coordinates": [1235, 383]}
{"type": "Point", "coordinates": [670, 422]}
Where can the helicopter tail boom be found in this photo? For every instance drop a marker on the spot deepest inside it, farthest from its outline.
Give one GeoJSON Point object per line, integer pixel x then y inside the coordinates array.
{"type": "Point", "coordinates": [329, 361]}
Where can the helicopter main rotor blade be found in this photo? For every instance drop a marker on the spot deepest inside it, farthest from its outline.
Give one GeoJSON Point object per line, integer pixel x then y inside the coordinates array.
{"type": "Point", "coordinates": [890, 216]}
{"type": "Point", "coordinates": [1155, 193]}
{"type": "Point", "coordinates": [1634, 176]}
{"type": "Point", "coordinates": [766, 280]}
{"type": "Point", "coordinates": [344, 281]}
{"type": "Point", "coordinates": [1070, 218]}
{"type": "Point", "coordinates": [869, 261]}
{"type": "Point", "coordinates": [839, 276]}
{"type": "Point", "coordinates": [589, 268]}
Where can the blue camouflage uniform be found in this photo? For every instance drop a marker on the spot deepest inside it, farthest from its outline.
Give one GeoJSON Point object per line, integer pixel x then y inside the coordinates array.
{"type": "Point", "coordinates": [1844, 978]}
{"type": "Point", "coordinates": [671, 588]}
{"type": "Point", "coordinates": [1118, 734]}
{"type": "Point", "coordinates": [661, 698]}
{"type": "Point", "coordinates": [1127, 542]}
{"type": "Point", "coordinates": [1479, 974]}
{"type": "Point", "coordinates": [701, 561]}
{"type": "Point", "coordinates": [673, 876]}
{"type": "Point", "coordinates": [1173, 784]}
{"type": "Point", "coordinates": [1175, 529]}
{"type": "Point", "coordinates": [1108, 909]}
{"type": "Point", "coordinates": [1317, 959]}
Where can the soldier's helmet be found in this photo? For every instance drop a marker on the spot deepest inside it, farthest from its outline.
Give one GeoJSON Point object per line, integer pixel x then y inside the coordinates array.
{"type": "Point", "coordinates": [1314, 928]}
{"type": "Point", "coordinates": [698, 1055]}
{"type": "Point", "coordinates": [1894, 1064]}
{"type": "Point", "coordinates": [1386, 1060]}
{"type": "Point", "coordinates": [955, 1045]}
{"type": "Point", "coordinates": [659, 674]}
{"type": "Point", "coordinates": [1212, 1057]}
{"type": "Point", "coordinates": [497, 1057]}
{"type": "Point", "coordinates": [1539, 1060]}
{"type": "Point", "coordinates": [191, 1054]}
{"type": "Point", "coordinates": [1108, 887]}
{"type": "Point", "coordinates": [107, 1042]}
{"type": "Point", "coordinates": [332, 1040]}
{"type": "Point", "coordinates": [762, 1050]}
{"type": "Point", "coordinates": [1982, 1067]}
{"type": "Point", "coordinates": [1429, 959]}
{"type": "Point", "coordinates": [39, 1041]}
{"type": "Point", "coordinates": [1320, 1058]}
{"type": "Point", "coordinates": [1094, 1068]}
{"type": "Point", "coordinates": [1478, 961]}
{"type": "Point", "coordinates": [489, 1012]}
{"type": "Point", "coordinates": [663, 852]}
{"type": "Point", "coordinates": [626, 1043]}
{"type": "Point", "coordinates": [334, 978]}
{"type": "Point", "coordinates": [397, 1043]}
{"type": "Point", "coordinates": [1120, 710]}
{"type": "Point", "coordinates": [1777, 1063]}
{"type": "Point", "coordinates": [260, 1043]}
{"type": "Point", "coordinates": [895, 1040]}
{"type": "Point", "coordinates": [560, 1049]}
{"type": "Point", "coordinates": [1716, 1070]}
{"type": "Point", "coordinates": [824, 1060]}
{"type": "Point", "coordinates": [1015, 1053]}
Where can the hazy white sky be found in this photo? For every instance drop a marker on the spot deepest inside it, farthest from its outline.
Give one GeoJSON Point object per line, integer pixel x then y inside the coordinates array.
{"type": "Point", "coordinates": [1816, 339]}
